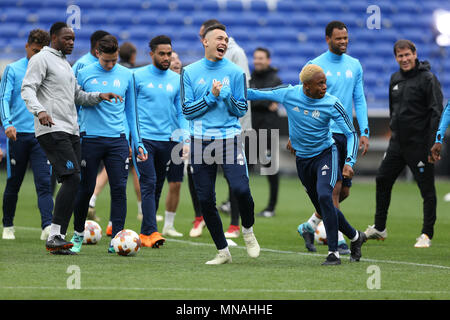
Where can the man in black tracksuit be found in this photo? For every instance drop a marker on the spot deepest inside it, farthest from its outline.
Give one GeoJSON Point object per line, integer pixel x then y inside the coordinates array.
{"type": "Point", "coordinates": [265, 116]}
{"type": "Point", "coordinates": [415, 106]}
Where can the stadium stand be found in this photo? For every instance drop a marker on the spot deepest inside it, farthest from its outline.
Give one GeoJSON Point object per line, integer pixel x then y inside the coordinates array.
{"type": "Point", "coordinates": [293, 30]}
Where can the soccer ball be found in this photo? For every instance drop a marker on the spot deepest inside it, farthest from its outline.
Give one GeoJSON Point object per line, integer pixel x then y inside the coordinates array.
{"type": "Point", "coordinates": [92, 232]}
{"type": "Point", "coordinates": [320, 235]}
{"type": "Point", "coordinates": [126, 243]}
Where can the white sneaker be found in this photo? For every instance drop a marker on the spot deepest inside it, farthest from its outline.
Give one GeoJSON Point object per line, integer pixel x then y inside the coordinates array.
{"type": "Point", "coordinates": [252, 244]}
{"type": "Point", "coordinates": [447, 197]}
{"type": "Point", "coordinates": [45, 233]}
{"type": "Point", "coordinates": [197, 229]}
{"type": "Point", "coordinates": [232, 232]}
{"type": "Point", "coordinates": [171, 232]}
{"type": "Point", "coordinates": [220, 258]}
{"type": "Point", "coordinates": [159, 218]}
{"type": "Point", "coordinates": [423, 241]}
{"type": "Point", "coordinates": [373, 233]}
{"type": "Point", "coordinates": [8, 233]}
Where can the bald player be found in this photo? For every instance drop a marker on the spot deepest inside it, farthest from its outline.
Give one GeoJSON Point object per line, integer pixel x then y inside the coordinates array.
{"type": "Point", "coordinates": [310, 110]}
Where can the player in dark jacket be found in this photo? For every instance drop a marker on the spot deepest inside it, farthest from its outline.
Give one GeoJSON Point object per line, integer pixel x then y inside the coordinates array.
{"type": "Point", "coordinates": [415, 107]}
{"type": "Point", "coordinates": [265, 116]}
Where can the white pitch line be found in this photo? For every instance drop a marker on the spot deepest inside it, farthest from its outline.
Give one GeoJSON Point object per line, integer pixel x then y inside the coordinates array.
{"type": "Point", "coordinates": [289, 252]}
{"type": "Point", "coordinates": [321, 255]}
{"type": "Point", "coordinates": [231, 290]}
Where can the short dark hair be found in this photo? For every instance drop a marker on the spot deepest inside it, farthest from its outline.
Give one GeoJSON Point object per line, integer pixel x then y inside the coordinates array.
{"type": "Point", "coordinates": [108, 44]}
{"type": "Point", "coordinates": [96, 36]}
{"type": "Point", "coordinates": [207, 24]}
{"type": "Point", "coordinates": [263, 50]}
{"type": "Point", "coordinates": [56, 27]}
{"type": "Point", "coordinates": [404, 44]}
{"type": "Point", "coordinates": [126, 50]}
{"type": "Point", "coordinates": [214, 27]}
{"type": "Point", "coordinates": [334, 25]}
{"type": "Point", "coordinates": [161, 39]}
{"type": "Point", "coordinates": [39, 36]}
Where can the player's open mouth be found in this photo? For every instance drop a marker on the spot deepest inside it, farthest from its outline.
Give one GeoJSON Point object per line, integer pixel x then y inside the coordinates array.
{"type": "Point", "coordinates": [221, 50]}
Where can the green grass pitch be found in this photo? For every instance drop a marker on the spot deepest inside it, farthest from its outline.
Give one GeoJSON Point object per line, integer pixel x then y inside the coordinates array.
{"type": "Point", "coordinates": [284, 269]}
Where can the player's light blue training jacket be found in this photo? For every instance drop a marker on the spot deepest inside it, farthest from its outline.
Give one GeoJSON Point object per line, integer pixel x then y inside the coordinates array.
{"type": "Point", "coordinates": [345, 81]}
{"type": "Point", "coordinates": [106, 119]}
{"type": "Point", "coordinates": [309, 120]}
{"type": "Point", "coordinates": [213, 116]}
{"type": "Point", "coordinates": [13, 111]}
{"type": "Point", "coordinates": [84, 61]}
{"type": "Point", "coordinates": [158, 103]}
{"type": "Point", "coordinates": [443, 124]}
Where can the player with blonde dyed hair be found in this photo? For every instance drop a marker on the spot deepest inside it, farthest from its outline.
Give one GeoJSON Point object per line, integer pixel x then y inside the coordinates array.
{"type": "Point", "coordinates": [309, 71]}
{"type": "Point", "coordinates": [310, 110]}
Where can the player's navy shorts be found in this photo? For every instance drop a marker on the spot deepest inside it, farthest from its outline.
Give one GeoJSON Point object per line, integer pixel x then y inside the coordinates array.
{"type": "Point", "coordinates": [341, 144]}
{"type": "Point", "coordinates": [175, 172]}
{"type": "Point", "coordinates": [63, 150]}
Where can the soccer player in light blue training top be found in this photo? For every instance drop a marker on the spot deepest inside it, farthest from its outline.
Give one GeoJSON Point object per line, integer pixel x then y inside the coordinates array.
{"type": "Point", "coordinates": [104, 136]}
{"type": "Point", "coordinates": [344, 81]}
{"type": "Point", "coordinates": [213, 95]}
{"type": "Point", "coordinates": [310, 110]}
{"type": "Point", "coordinates": [159, 108]}
{"type": "Point", "coordinates": [22, 146]}
{"type": "Point", "coordinates": [443, 125]}
{"type": "Point", "coordinates": [91, 56]}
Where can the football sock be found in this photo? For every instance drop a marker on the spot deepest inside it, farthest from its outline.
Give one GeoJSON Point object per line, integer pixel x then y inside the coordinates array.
{"type": "Point", "coordinates": [92, 201]}
{"type": "Point", "coordinates": [336, 253]}
{"type": "Point", "coordinates": [355, 237]}
{"type": "Point", "coordinates": [225, 250]}
{"type": "Point", "coordinates": [55, 229]}
{"type": "Point", "coordinates": [80, 234]}
{"type": "Point", "coordinates": [247, 230]}
{"type": "Point", "coordinates": [139, 205]}
{"type": "Point", "coordinates": [340, 238]}
{"type": "Point", "coordinates": [109, 223]}
{"type": "Point", "coordinates": [169, 218]}
{"type": "Point", "coordinates": [314, 221]}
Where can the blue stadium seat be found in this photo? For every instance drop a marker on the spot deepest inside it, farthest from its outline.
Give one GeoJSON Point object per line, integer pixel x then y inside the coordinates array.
{"type": "Point", "coordinates": [275, 20]}
{"type": "Point", "coordinates": [174, 19]}
{"type": "Point", "coordinates": [16, 15]}
{"type": "Point", "coordinates": [124, 17]}
{"type": "Point", "coordinates": [301, 20]}
{"type": "Point", "coordinates": [234, 5]}
{"type": "Point", "coordinates": [187, 5]}
{"type": "Point", "coordinates": [9, 30]}
{"type": "Point", "coordinates": [241, 34]}
{"type": "Point", "coordinates": [309, 6]}
{"type": "Point", "coordinates": [209, 6]}
{"type": "Point", "coordinates": [287, 7]}
{"type": "Point", "coordinates": [50, 16]}
{"type": "Point", "coordinates": [54, 4]}
{"type": "Point", "coordinates": [98, 17]}
{"type": "Point", "coordinates": [147, 17]}
{"type": "Point", "coordinates": [162, 6]}
{"type": "Point", "coordinates": [130, 5]}
{"type": "Point", "coordinates": [259, 6]}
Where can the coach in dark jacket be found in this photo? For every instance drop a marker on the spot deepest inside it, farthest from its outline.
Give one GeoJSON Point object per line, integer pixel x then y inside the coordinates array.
{"type": "Point", "coordinates": [265, 116]}
{"type": "Point", "coordinates": [415, 107]}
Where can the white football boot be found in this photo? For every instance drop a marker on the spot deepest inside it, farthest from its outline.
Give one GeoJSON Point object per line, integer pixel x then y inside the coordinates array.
{"type": "Point", "coordinates": [8, 233]}
{"type": "Point", "coordinates": [423, 241]}
{"type": "Point", "coordinates": [221, 258]}
{"type": "Point", "coordinates": [252, 244]}
{"type": "Point", "coordinates": [373, 233]}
